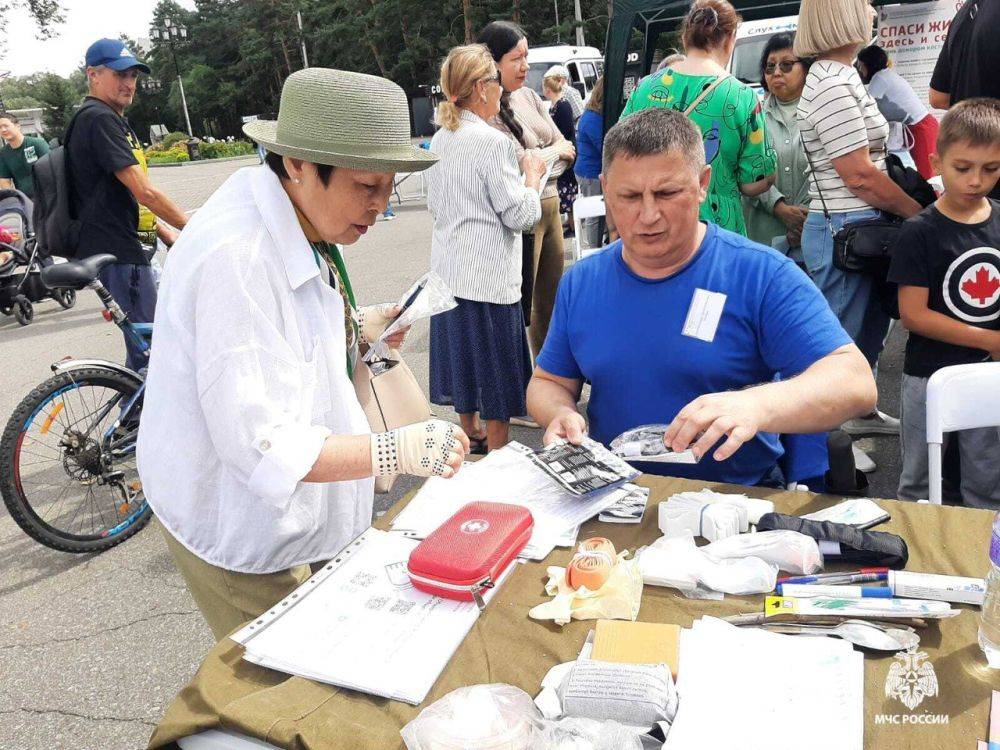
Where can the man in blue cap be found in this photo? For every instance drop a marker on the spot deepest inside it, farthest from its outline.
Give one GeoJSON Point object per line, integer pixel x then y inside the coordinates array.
{"type": "Point", "coordinates": [112, 196]}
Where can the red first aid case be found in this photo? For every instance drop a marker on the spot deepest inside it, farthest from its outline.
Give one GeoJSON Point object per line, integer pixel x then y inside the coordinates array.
{"type": "Point", "coordinates": [466, 554]}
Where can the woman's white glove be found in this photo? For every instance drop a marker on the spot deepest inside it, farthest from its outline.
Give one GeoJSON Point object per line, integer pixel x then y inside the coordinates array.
{"type": "Point", "coordinates": [374, 319]}
{"type": "Point", "coordinates": [425, 449]}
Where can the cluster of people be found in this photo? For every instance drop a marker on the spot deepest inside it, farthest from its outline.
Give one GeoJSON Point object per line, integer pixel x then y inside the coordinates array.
{"type": "Point", "coordinates": [717, 312]}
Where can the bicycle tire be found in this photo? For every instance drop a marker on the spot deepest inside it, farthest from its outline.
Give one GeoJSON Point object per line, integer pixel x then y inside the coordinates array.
{"type": "Point", "coordinates": [14, 497]}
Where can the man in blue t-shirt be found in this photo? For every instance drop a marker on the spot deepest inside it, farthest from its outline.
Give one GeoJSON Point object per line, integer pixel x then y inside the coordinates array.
{"type": "Point", "coordinates": [684, 323]}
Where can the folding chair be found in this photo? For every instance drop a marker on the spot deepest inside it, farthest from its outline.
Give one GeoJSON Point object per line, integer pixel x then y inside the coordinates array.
{"type": "Point", "coordinates": [962, 397]}
{"type": "Point", "coordinates": [588, 207]}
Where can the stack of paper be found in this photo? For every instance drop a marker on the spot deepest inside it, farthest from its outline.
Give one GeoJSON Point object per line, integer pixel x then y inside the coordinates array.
{"type": "Point", "coordinates": [709, 514]}
{"type": "Point", "coordinates": [506, 476]}
{"type": "Point", "coordinates": [754, 690]}
{"type": "Point", "coordinates": [360, 624]}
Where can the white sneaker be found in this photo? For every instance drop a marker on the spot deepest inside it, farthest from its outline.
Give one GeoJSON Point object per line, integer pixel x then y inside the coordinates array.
{"type": "Point", "coordinates": [876, 423]}
{"type": "Point", "coordinates": [862, 461]}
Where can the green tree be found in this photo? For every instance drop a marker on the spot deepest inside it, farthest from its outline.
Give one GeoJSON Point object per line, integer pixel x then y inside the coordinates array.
{"type": "Point", "coordinates": [60, 100]}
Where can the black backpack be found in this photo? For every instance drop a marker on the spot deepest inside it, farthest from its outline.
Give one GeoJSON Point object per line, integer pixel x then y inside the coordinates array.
{"type": "Point", "coordinates": [57, 230]}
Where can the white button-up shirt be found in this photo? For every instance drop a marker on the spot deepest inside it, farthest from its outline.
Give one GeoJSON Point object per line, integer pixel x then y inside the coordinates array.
{"type": "Point", "coordinates": [247, 378]}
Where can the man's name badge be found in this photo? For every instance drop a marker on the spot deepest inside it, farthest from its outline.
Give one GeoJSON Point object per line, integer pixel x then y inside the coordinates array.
{"type": "Point", "coordinates": [704, 314]}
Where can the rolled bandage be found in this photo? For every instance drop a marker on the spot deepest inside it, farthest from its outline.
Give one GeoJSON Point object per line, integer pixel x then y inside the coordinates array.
{"type": "Point", "coordinates": [592, 564]}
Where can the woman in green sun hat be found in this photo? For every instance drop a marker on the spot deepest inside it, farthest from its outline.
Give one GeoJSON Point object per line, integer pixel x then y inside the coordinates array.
{"type": "Point", "coordinates": [254, 451]}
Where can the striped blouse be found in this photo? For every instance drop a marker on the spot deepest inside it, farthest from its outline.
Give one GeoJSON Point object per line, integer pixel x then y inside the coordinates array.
{"type": "Point", "coordinates": [837, 116]}
{"type": "Point", "coordinates": [480, 207]}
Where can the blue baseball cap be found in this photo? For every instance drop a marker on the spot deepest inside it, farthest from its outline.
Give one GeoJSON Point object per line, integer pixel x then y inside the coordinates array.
{"type": "Point", "coordinates": [112, 53]}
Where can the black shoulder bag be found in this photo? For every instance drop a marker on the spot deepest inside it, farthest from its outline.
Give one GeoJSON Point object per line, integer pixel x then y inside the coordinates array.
{"type": "Point", "coordinates": [863, 246]}
{"type": "Point", "coordinates": [866, 246]}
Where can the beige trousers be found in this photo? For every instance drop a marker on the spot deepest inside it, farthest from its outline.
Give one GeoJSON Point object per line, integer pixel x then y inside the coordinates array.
{"type": "Point", "coordinates": [549, 262]}
{"type": "Point", "coordinates": [228, 599]}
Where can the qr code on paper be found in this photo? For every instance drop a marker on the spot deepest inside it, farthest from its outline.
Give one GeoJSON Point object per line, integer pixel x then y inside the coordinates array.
{"type": "Point", "coordinates": [401, 607]}
{"type": "Point", "coordinates": [363, 579]}
{"type": "Point", "coordinates": [376, 602]}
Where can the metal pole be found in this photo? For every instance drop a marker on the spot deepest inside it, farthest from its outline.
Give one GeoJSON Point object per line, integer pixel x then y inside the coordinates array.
{"type": "Point", "coordinates": [302, 40]}
{"type": "Point", "coordinates": [180, 82]}
{"type": "Point", "coordinates": [555, 4]}
{"type": "Point", "coordinates": [579, 24]}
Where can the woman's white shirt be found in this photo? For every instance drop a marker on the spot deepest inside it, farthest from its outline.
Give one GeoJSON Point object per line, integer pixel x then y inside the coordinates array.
{"type": "Point", "coordinates": [837, 116]}
{"type": "Point", "coordinates": [247, 379]}
{"type": "Point", "coordinates": [480, 206]}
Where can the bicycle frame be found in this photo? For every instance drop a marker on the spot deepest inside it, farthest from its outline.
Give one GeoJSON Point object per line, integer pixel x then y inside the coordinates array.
{"type": "Point", "coordinates": [140, 334]}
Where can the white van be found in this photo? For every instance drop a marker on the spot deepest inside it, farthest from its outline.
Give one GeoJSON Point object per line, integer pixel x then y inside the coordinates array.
{"type": "Point", "coordinates": [584, 64]}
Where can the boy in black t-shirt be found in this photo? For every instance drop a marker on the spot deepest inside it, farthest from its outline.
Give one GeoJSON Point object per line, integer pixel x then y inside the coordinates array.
{"type": "Point", "coordinates": [947, 265]}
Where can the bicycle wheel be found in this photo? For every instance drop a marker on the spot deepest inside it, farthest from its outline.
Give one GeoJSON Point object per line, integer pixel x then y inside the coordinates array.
{"type": "Point", "coordinates": [67, 474]}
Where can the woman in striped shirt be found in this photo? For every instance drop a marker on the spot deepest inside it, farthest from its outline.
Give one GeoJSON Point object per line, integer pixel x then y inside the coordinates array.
{"type": "Point", "coordinates": [479, 359]}
{"type": "Point", "coordinates": [845, 140]}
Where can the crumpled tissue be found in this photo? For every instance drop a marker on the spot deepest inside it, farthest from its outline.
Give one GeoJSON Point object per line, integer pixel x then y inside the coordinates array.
{"type": "Point", "coordinates": [679, 563]}
{"type": "Point", "coordinates": [618, 599]}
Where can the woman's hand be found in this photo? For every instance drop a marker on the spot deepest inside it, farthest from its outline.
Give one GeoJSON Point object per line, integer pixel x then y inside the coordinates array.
{"type": "Point", "coordinates": [793, 217]}
{"type": "Point", "coordinates": [374, 319]}
{"type": "Point", "coordinates": [434, 448]}
{"type": "Point", "coordinates": [533, 167]}
{"type": "Point", "coordinates": [567, 152]}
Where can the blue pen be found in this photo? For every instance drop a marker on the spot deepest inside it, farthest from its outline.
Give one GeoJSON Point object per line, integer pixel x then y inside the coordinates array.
{"type": "Point", "coordinates": [844, 592]}
{"type": "Point", "coordinates": [839, 579]}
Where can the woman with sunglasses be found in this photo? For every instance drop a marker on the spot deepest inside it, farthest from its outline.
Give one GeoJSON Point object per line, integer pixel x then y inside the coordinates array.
{"type": "Point", "coordinates": [525, 119]}
{"type": "Point", "coordinates": [479, 359]}
{"type": "Point", "coordinates": [776, 217]}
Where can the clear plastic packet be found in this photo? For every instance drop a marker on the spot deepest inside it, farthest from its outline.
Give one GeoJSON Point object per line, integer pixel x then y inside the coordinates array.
{"type": "Point", "coordinates": [645, 443]}
{"type": "Point", "coordinates": [503, 717]}
{"type": "Point", "coordinates": [791, 551]}
{"type": "Point", "coordinates": [428, 296]}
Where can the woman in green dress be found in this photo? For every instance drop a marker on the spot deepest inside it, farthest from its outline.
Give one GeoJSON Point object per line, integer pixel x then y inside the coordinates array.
{"type": "Point", "coordinates": [728, 112]}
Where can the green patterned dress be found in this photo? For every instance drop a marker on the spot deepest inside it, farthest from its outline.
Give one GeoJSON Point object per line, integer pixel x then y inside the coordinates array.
{"type": "Point", "coordinates": [732, 124]}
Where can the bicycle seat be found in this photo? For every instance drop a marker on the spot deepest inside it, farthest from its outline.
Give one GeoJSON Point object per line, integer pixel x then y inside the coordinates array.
{"type": "Point", "coordinates": [75, 274]}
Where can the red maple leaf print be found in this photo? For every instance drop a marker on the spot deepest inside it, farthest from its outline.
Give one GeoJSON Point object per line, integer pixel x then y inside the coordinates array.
{"type": "Point", "coordinates": [983, 287]}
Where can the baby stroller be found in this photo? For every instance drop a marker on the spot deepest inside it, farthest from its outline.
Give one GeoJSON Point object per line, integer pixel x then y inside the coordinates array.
{"type": "Point", "coordinates": [20, 264]}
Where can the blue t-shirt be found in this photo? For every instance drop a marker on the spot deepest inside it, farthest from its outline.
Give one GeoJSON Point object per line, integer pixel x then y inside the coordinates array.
{"type": "Point", "coordinates": [622, 333]}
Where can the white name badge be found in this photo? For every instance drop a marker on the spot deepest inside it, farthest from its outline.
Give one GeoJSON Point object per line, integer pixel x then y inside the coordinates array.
{"type": "Point", "coordinates": [704, 314]}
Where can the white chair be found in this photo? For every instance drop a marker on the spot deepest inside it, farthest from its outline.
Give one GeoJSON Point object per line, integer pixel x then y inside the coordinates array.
{"type": "Point", "coordinates": [588, 207]}
{"type": "Point", "coordinates": [962, 397]}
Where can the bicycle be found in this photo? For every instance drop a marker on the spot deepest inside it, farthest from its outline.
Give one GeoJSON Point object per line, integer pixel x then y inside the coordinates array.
{"type": "Point", "coordinates": [67, 454]}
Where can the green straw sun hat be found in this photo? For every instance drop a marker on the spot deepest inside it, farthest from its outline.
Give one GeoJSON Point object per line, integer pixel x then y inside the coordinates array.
{"type": "Point", "coordinates": [344, 119]}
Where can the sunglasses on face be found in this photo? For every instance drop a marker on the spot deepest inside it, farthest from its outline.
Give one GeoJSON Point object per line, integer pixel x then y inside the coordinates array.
{"type": "Point", "coordinates": [494, 79]}
{"type": "Point", "coordinates": [785, 66]}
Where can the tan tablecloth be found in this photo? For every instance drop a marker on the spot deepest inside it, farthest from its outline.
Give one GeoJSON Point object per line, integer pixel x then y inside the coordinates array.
{"type": "Point", "coordinates": [505, 646]}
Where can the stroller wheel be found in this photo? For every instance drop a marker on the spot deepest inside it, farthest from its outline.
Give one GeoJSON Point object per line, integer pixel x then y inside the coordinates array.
{"type": "Point", "coordinates": [6, 309]}
{"type": "Point", "coordinates": [65, 297]}
{"type": "Point", "coordinates": [23, 311]}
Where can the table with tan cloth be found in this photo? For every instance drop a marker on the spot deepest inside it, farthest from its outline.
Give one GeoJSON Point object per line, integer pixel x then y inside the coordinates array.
{"type": "Point", "coordinates": [505, 646]}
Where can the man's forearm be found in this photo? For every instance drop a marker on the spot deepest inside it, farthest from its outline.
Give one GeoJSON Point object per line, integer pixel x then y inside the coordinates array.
{"type": "Point", "coordinates": [835, 389]}
{"type": "Point", "coordinates": [547, 400]}
{"type": "Point", "coordinates": [164, 208]}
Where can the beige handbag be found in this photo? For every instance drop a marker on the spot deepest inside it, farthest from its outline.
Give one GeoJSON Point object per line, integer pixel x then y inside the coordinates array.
{"type": "Point", "coordinates": [391, 398]}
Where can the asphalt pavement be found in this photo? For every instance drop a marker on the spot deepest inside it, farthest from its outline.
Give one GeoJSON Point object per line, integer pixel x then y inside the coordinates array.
{"type": "Point", "coordinates": [94, 648]}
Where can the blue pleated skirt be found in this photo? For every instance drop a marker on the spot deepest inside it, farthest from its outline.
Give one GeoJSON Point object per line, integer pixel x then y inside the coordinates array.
{"type": "Point", "coordinates": [479, 360]}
